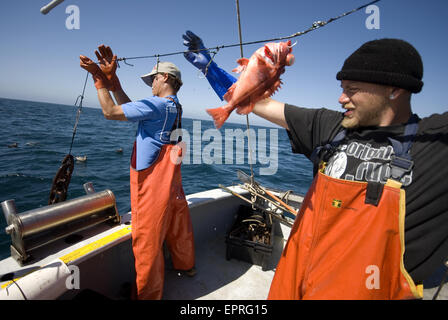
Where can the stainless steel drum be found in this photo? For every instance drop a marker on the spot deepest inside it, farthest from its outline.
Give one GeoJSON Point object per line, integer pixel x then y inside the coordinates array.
{"type": "Point", "coordinates": [35, 228]}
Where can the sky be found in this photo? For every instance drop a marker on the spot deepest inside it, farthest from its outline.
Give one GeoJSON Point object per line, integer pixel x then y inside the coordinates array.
{"type": "Point", "coordinates": [39, 55]}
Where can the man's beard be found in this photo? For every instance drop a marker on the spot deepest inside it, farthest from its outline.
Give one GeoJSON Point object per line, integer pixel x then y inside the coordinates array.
{"type": "Point", "coordinates": [363, 119]}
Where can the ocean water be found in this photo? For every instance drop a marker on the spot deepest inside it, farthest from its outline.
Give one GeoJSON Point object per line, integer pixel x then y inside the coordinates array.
{"type": "Point", "coordinates": [36, 136]}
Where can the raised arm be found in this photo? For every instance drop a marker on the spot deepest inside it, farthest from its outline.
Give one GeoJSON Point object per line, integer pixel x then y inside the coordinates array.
{"type": "Point", "coordinates": [103, 85]}
{"type": "Point", "coordinates": [271, 110]}
{"type": "Point", "coordinates": [108, 64]}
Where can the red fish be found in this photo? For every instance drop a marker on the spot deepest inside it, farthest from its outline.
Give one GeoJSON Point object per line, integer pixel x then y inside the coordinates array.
{"type": "Point", "coordinates": [259, 79]}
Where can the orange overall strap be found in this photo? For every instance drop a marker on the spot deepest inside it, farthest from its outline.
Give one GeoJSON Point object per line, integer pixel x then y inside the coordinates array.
{"type": "Point", "coordinates": [342, 248]}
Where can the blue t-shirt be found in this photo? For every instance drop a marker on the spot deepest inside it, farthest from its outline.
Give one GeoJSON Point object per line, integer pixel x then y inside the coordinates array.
{"type": "Point", "coordinates": [155, 116]}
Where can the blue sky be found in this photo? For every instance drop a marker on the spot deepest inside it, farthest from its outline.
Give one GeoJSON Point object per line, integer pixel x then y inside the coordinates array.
{"type": "Point", "coordinates": [39, 56]}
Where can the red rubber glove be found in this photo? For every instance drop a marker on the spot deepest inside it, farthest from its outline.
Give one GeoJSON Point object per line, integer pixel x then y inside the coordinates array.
{"type": "Point", "coordinates": [108, 64]}
{"type": "Point", "coordinates": [99, 78]}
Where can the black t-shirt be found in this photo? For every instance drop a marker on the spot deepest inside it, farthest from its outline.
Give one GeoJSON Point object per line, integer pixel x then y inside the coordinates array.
{"type": "Point", "coordinates": [364, 155]}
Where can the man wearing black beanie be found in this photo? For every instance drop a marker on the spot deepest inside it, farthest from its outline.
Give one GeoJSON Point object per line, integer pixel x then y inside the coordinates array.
{"type": "Point", "coordinates": [390, 67]}
{"type": "Point", "coordinates": [391, 62]}
{"type": "Point", "coordinates": [373, 223]}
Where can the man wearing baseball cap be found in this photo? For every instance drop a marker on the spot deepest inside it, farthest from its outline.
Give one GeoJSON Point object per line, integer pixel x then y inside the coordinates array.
{"type": "Point", "coordinates": [159, 209]}
{"type": "Point", "coordinates": [373, 223]}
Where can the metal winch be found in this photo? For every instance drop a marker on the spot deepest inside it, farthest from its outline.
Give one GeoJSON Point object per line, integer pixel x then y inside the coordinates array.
{"type": "Point", "coordinates": [38, 227]}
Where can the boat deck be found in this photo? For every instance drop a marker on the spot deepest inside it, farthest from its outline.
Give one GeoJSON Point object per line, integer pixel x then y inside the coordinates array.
{"type": "Point", "coordinates": [105, 261]}
{"type": "Point", "coordinates": [222, 279]}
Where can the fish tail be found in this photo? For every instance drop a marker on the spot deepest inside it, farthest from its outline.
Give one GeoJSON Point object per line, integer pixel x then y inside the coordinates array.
{"type": "Point", "coordinates": [219, 115]}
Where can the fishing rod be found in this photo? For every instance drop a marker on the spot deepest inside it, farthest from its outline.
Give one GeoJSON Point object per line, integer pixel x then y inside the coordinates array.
{"type": "Point", "coordinates": [50, 6]}
{"type": "Point", "coordinates": [259, 207]}
{"type": "Point", "coordinates": [316, 25]}
{"type": "Point", "coordinates": [255, 188]}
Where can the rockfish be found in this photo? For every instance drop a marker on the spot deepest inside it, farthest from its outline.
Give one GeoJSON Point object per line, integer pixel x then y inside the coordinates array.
{"type": "Point", "coordinates": [259, 79]}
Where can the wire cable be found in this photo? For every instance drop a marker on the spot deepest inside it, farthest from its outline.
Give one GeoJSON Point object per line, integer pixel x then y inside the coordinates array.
{"type": "Point", "coordinates": [316, 25]}
{"type": "Point", "coordinates": [78, 112]}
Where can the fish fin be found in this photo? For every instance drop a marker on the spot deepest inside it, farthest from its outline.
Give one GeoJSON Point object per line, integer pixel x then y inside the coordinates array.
{"type": "Point", "coordinates": [269, 92]}
{"type": "Point", "coordinates": [242, 65]}
{"type": "Point", "coordinates": [246, 109]}
{"type": "Point", "coordinates": [243, 61]}
{"type": "Point", "coordinates": [228, 95]}
{"type": "Point", "coordinates": [219, 115]}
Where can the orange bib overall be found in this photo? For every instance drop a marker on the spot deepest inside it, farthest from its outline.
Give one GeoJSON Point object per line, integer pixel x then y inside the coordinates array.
{"type": "Point", "coordinates": [348, 239]}
{"type": "Point", "coordinates": [159, 213]}
{"type": "Point", "coordinates": [342, 248]}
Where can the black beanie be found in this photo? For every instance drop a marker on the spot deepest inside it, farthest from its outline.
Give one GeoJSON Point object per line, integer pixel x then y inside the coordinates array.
{"type": "Point", "coordinates": [391, 62]}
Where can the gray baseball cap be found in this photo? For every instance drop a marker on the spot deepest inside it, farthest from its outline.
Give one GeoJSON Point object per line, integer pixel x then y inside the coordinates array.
{"type": "Point", "coordinates": [162, 67]}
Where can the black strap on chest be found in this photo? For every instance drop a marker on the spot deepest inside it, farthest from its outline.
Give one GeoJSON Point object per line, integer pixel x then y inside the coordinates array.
{"type": "Point", "coordinates": [400, 165]}
{"type": "Point", "coordinates": [402, 162]}
{"type": "Point", "coordinates": [178, 121]}
{"type": "Point", "coordinates": [326, 151]}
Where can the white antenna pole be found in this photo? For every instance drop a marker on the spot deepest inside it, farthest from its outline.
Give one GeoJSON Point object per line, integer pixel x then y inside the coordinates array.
{"type": "Point", "coordinates": [51, 5]}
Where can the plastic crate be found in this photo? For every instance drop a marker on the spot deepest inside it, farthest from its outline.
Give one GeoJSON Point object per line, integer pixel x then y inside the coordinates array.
{"type": "Point", "coordinates": [241, 248]}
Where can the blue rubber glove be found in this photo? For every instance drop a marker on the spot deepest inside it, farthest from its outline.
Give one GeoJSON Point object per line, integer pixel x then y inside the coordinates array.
{"type": "Point", "coordinates": [217, 77]}
{"type": "Point", "coordinates": [199, 59]}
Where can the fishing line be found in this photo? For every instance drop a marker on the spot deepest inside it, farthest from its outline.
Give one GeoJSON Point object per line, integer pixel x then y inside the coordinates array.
{"type": "Point", "coordinates": [249, 146]}
{"type": "Point", "coordinates": [316, 25]}
{"type": "Point", "coordinates": [78, 112]}
{"type": "Point", "coordinates": [239, 27]}
{"type": "Point", "coordinates": [61, 180]}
